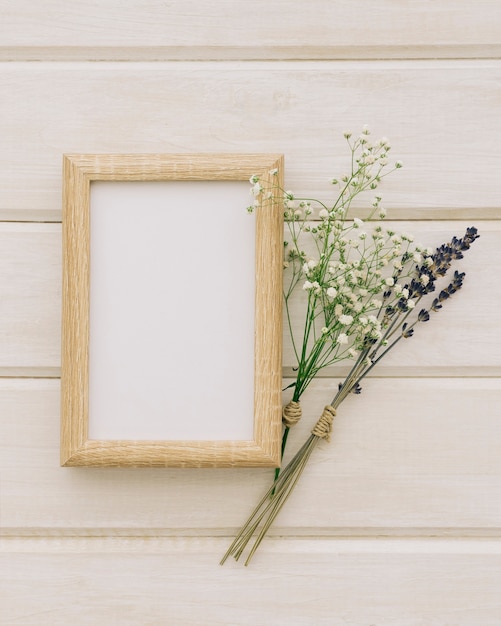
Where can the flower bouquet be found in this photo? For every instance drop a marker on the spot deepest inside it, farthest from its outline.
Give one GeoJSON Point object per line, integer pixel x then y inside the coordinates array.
{"type": "Point", "coordinates": [365, 289]}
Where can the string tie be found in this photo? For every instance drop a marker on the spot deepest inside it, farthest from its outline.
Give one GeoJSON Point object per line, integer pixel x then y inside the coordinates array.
{"type": "Point", "coordinates": [323, 427]}
{"type": "Point", "coordinates": [291, 413]}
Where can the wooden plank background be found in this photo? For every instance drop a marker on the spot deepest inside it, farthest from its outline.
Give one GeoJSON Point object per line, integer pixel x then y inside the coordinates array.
{"type": "Point", "coordinates": [398, 520]}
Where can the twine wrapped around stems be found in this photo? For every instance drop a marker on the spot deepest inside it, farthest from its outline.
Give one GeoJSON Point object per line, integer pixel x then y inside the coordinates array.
{"type": "Point", "coordinates": [291, 414]}
{"type": "Point", "coordinates": [323, 427]}
{"type": "Point", "coordinates": [275, 498]}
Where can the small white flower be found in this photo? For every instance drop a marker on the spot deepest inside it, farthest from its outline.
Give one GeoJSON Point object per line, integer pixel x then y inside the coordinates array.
{"type": "Point", "coordinates": [417, 258]}
{"type": "Point", "coordinates": [353, 353]}
{"type": "Point", "coordinates": [411, 304]}
{"type": "Point", "coordinates": [398, 164]}
{"type": "Point", "coordinates": [338, 310]}
{"type": "Point", "coordinates": [425, 279]}
{"type": "Point", "coordinates": [347, 134]}
{"type": "Point", "coordinates": [405, 293]}
{"type": "Point", "coordinates": [382, 213]}
{"type": "Point", "coordinates": [323, 214]}
{"type": "Point", "coordinates": [254, 179]}
{"type": "Point", "coordinates": [312, 264]}
{"type": "Point", "coordinates": [357, 222]}
{"type": "Point", "coordinates": [362, 235]}
{"type": "Point", "coordinates": [273, 172]}
{"type": "Point", "coordinates": [307, 285]}
{"type": "Point", "coordinates": [257, 189]}
{"type": "Point", "coordinates": [376, 304]}
{"type": "Point", "coordinates": [332, 292]}
{"type": "Point", "coordinates": [345, 320]}
{"type": "Point", "coordinates": [389, 281]}
{"type": "Point", "coordinates": [325, 330]}
{"type": "Point", "coordinates": [342, 339]}
{"type": "Point", "coordinates": [363, 292]}
{"type": "Point", "coordinates": [383, 161]}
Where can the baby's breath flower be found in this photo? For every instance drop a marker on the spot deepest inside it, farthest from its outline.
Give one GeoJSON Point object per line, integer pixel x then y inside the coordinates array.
{"type": "Point", "coordinates": [357, 222]}
{"type": "Point", "coordinates": [257, 189]}
{"type": "Point", "coordinates": [345, 320]}
{"type": "Point", "coordinates": [351, 298]}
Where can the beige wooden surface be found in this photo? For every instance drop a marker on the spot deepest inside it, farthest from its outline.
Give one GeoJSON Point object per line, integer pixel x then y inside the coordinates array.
{"type": "Point", "coordinates": [397, 522]}
{"type": "Point", "coordinates": [440, 117]}
{"type": "Point", "coordinates": [239, 29]}
{"type": "Point", "coordinates": [338, 583]}
{"type": "Point", "coordinates": [395, 466]}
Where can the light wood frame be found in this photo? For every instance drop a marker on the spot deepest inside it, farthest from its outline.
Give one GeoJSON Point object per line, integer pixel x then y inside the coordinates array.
{"type": "Point", "coordinates": [76, 449]}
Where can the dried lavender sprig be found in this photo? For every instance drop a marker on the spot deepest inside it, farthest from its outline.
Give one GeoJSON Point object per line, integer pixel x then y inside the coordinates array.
{"type": "Point", "coordinates": [277, 495]}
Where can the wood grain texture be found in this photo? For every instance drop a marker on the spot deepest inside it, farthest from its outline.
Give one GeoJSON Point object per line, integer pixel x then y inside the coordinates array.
{"type": "Point", "coordinates": [463, 340]}
{"type": "Point", "coordinates": [190, 29]}
{"type": "Point", "coordinates": [53, 582]}
{"type": "Point", "coordinates": [76, 448]}
{"type": "Point", "coordinates": [448, 142]}
{"type": "Point", "coordinates": [30, 300]}
{"type": "Point", "coordinates": [407, 457]}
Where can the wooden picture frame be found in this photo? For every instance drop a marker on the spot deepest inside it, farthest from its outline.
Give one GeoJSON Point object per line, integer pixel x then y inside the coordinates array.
{"type": "Point", "coordinates": [82, 175]}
